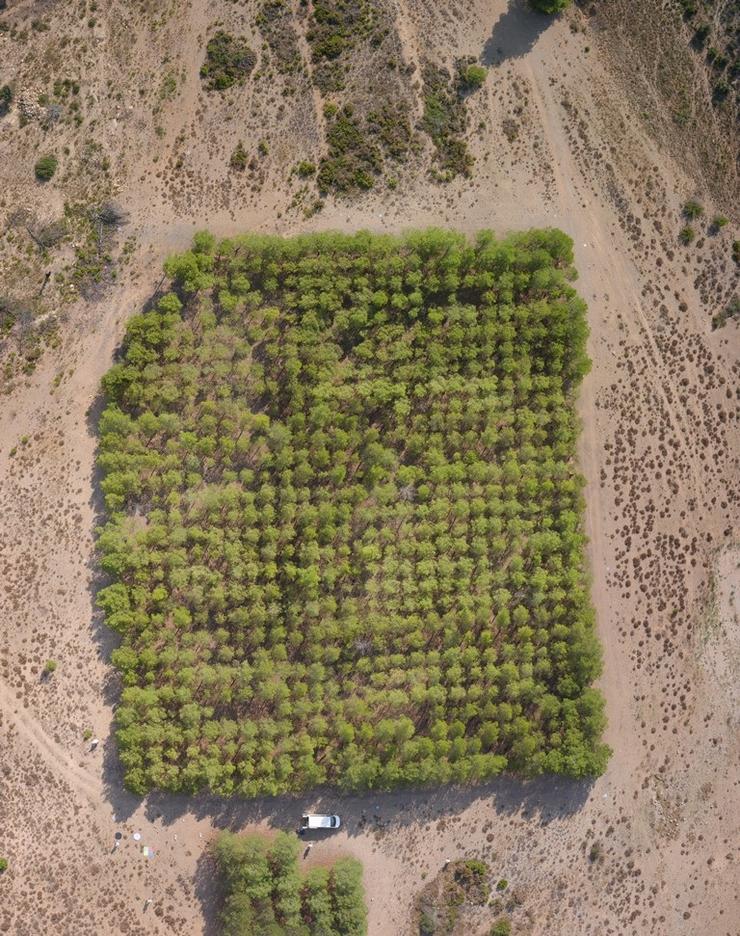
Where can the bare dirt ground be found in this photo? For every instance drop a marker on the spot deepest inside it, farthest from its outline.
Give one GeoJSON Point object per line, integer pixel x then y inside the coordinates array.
{"type": "Point", "coordinates": [659, 451]}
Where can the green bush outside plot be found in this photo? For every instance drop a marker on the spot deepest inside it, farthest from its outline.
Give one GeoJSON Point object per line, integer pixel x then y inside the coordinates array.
{"type": "Point", "coordinates": [265, 894]}
{"type": "Point", "coordinates": [345, 516]}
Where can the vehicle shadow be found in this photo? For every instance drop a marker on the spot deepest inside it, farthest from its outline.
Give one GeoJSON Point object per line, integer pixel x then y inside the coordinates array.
{"type": "Point", "coordinates": [514, 33]}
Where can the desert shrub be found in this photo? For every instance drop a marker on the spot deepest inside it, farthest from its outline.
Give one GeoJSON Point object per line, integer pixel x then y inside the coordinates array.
{"type": "Point", "coordinates": [3, 865]}
{"type": "Point", "coordinates": [265, 893]}
{"type": "Point", "coordinates": [306, 169]}
{"type": "Point", "coordinates": [45, 168]}
{"type": "Point", "coordinates": [502, 884]}
{"type": "Point", "coordinates": [701, 34]}
{"type": "Point", "coordinates": [229, 61]}
{"type": "Point", "coordinates": [550, 6]}
{"type": "Point", "coordinates": [692, 210]}
{"type": "Point", "coordinates": [6, 99]}
{"type": "Point", "coordinates": [687, 234]}
{"type": "Point", "coordinates": [362, 561]}
{"type": "Point", "coordinates": [472, 76]}
{"type": "Point", "coordinates": [50, 666]}
{"type": "Point", "coordinates": [502, 927]}
{"type": "Point", "coordinates": [596, 852]}
{"type": "Point", "coordinates": [111, 215]}
{"type": "Point", "coordinates": [718, 222]}
{"type": "Point", "coordinates": [720, 90]}
{"type": "Point", "coordinates": [239, 158]}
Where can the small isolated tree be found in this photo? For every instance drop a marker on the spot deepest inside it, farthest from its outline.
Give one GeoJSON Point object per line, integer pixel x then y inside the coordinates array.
{"type": "Point", "coordinates": [46, 167]}
{"type": "Point", "coordinates": [550, 6]}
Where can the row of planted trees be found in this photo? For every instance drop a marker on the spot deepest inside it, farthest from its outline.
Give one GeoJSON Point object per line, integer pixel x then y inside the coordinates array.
{"type": "Point", "coordinates": [345, 519]}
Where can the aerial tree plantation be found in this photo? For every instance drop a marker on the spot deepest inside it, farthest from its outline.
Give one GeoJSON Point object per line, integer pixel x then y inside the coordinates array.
{"type": "Point", "coordinates": [344, 516]}
{"type": "Point", "coordinates": [267, 896]}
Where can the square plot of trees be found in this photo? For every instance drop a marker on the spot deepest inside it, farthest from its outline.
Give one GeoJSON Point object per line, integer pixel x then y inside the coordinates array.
{"type": "Point", "coordinates": [344, 517]}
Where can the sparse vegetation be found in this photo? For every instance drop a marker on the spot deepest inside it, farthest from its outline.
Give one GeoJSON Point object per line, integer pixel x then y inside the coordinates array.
{"type": "Point", "coordinates": [731, 313]}
{"type": "Point", "coordinates": [229, 61]}
{"type": "Point", "coordinates": [45, 167]}
{"type": "Point", "coordinates": [357, 152]}
{"type": "Point", "coordinates": [335, 28]}
{"type": "Point", "coordinates": [266, 893]}
{"type": "Point", "coordinates": [353, 161]}
{"type": "Point", "coordinates": [459, 886]}
{"type": "Point", "coordinates": [236, 661]}
{"type": "Point", "coordinates": [445, 120]}
{"type": "Point", "coordinates": [276, 24]}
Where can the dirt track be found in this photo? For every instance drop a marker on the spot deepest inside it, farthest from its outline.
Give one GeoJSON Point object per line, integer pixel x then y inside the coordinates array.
{"type": "Point", "coordinates": [659, 452]}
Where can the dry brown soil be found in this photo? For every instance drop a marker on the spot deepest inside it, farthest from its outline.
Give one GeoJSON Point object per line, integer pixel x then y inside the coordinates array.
{"type": "Point", "coordinates": [659, 451]}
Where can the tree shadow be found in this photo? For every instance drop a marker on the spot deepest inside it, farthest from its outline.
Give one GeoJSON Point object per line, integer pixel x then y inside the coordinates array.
{"type": "Point", "coordinates": [514, 33]}
{"type": "Point", "coordinates": [541, 800]}
{"type": "Point", "coordinates": [123, 802]}
{"type": "Point", "coordinates": [105, 639]}
{"type": "Point", "coordinates": [209, 892]}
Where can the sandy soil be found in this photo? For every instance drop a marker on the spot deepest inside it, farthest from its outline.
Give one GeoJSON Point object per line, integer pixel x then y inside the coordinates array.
{"type": "Point", "coordinates": [659, 451]}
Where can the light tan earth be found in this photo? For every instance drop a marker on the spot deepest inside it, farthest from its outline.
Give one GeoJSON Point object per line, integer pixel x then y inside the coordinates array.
{"type": "Point", "coordinates": [659, 451]}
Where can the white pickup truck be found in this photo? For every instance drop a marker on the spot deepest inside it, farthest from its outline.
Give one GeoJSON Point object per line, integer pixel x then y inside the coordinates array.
{"type": "Point", "coordinates": [320, 822]}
